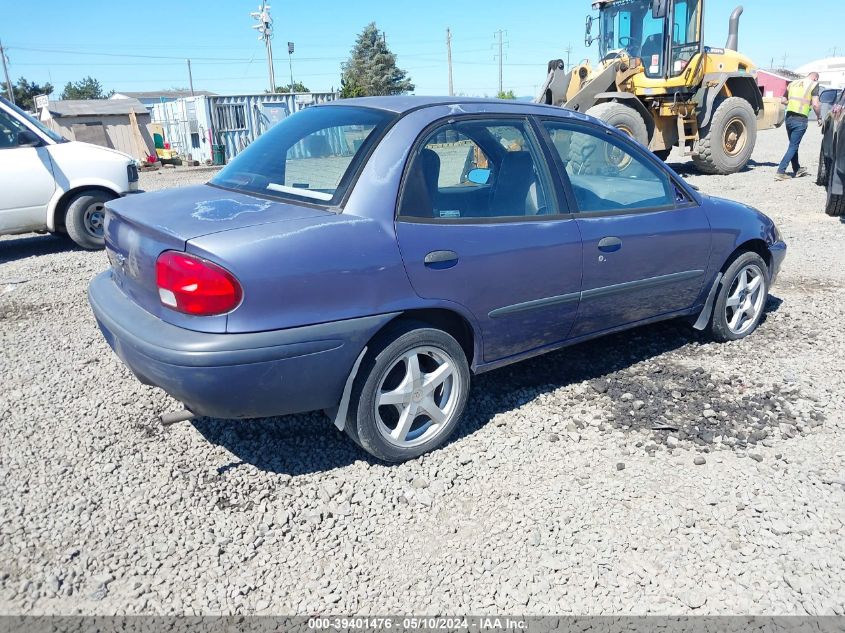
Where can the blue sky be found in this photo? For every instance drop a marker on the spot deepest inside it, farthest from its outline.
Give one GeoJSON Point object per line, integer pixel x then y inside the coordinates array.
{"type": "Point", "coordinates": [142, 45]}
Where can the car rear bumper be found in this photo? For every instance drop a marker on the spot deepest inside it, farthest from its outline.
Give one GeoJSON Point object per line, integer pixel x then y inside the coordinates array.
{"type": "Point", "coordinates": [248, 375]}
{"type": "Point", "coordinates": [778, 251]}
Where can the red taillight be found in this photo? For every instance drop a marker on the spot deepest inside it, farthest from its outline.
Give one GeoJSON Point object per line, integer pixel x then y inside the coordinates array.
{"type": "Point", "coordinates": [193, 285]}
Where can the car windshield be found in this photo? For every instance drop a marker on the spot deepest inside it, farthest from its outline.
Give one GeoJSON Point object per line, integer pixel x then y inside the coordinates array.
{"type": "Point", "coordinates": [55, 136]}
{"type": "Point", "coordinates": [308, 156]}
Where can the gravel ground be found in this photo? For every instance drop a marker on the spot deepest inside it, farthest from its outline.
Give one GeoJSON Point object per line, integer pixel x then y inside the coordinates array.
{"type": "Point", "coordinates": [648, 472]}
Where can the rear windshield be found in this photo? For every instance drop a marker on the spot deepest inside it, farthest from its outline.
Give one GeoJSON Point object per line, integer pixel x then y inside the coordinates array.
{"type": "Point", "coordinates": [309, 156]}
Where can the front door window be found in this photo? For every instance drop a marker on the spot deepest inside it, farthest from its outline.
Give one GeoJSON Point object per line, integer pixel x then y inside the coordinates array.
{"type": "Point", "coordinates": [9, 130]}
{"type": "Point", "coordinates": [686, 35]}
{"type": "Point", "coordinates": [604, 175]}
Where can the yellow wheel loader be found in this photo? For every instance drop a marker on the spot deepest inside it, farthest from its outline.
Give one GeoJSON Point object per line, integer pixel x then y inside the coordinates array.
{"type": "Point", "coordinates": [657, 82]}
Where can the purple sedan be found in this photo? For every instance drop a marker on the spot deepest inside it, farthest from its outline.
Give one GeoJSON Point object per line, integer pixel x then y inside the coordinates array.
{"type": "Point", "coordinates": [367, 257]}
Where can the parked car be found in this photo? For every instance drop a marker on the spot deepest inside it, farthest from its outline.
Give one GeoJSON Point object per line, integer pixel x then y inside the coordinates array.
{"type": "Point", "coordinates": [827, 99]}
{"type": "Point", "coordinates": [51, 184]}
{"type": "Point", "coordinates": [368, 257]}
{"type": "Point", "coordinates": [831, 172]}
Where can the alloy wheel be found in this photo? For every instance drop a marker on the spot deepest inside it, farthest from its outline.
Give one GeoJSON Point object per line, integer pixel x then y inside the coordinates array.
{"type": "Point", "coordinates": [745, 299]}
{"type": "Point", "coordinates": [418, 396]}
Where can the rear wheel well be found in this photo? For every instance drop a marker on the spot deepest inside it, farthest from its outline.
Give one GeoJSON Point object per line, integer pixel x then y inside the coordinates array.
{"type": "Point", "coordinates": [60, 211]}
{"type": "Point", "coordinates": [755, 246]}
{"type": "Point", "coordinates": [450, 322]}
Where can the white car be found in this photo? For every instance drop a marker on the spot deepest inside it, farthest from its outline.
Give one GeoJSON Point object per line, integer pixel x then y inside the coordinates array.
{"type": "Point", "coordinates": [48, 183]}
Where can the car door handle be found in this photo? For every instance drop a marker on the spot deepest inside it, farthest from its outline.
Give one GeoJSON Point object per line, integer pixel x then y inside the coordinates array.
{"type": "Point", "coordinates": [610, 244]}
{"type": "Point", "coordinates": [441, 259]}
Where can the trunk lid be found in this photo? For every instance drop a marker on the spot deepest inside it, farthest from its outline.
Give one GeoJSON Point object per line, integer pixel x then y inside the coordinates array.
{"type": "Point", "coordinates": [139, 228]}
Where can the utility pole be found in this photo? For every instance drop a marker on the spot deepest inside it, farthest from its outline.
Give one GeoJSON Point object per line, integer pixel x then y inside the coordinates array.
{"type": "Point", "coordinates": [6, 72]}
{"type": "Point", "coordinates": [449, 60]}
{"type": "Point", "coordinates": [190, 77]}
{"type": "Point", "coordinates": [568, 51]}
{"type": "Point", "coordinates": [498, 34]}
{"type": "Point", "coordinates": [265, 28]}
{"type": "Point", "coordinates": [290, 61]}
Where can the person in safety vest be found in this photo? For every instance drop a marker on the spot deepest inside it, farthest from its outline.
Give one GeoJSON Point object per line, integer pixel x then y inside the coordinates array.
{"type": "Point", "coordinates": [801, 97]}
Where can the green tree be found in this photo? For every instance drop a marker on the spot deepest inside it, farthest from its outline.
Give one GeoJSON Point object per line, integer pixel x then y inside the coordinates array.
{"type": "Point", "coordinates": [349, 90]}
{"type": "Point", "coordinates": [371, 68]}
{"type": "Point", "coordinates": [296, 86]}
{"type": "Point", "coordinates": [87, 88]}
{"type": "Point", "coordinates": [505, 94]}
{"type": "Point", "coordinates": [25, 92]}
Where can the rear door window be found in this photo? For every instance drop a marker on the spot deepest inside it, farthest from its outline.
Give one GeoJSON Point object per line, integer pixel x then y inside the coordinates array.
{"type": "Point", "coordinates": [478, 168]}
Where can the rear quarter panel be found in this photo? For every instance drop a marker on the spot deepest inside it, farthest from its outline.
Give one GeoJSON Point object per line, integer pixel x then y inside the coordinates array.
{"type": "Point", "coordinates": [310, 270]}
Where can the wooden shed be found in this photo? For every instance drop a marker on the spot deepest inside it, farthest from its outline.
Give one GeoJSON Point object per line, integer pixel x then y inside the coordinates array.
{"type": "Point", "coordinates": [121, 124]}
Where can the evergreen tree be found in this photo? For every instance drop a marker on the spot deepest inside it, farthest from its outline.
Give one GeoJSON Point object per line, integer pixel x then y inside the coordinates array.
{"type": "Point", "coordinates": [296, 86]}
{"type": "Point", "coordinates": [26, 91]}
{"type": "Point", "coordinates": [87, 88]}
{"type": "Point", "coordinates": [371, 69]}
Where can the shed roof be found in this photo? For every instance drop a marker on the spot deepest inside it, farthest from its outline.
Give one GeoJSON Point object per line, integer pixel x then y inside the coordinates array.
{"type": "Point", "coordinates": [167, 94]}
{"type": "Point", "coordinates": [96, 107]}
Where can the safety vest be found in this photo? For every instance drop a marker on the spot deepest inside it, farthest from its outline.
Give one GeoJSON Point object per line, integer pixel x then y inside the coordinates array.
{"type": "Point", "coordinates": [800, 97]}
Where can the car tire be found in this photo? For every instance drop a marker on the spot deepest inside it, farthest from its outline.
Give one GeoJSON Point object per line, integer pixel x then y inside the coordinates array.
{"type": "Point", "coordinates": [390, 390]}
{"type": "Point", "coordinates": [714, 153]}
{"type": "Point", "coordinates": [737, 311]}
{"type": "Point", "coordinates": [835, 206]}
{"type": "Point", "coordinates": [623, 118]}
{"type": "Point", "coordinates": [85, 216]}
{"type": "Point", "coordinates": [822, 173]}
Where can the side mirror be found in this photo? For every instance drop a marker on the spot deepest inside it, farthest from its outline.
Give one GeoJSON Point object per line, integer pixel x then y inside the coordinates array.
{"type": "Point", "coordinates": [27, 138]}
{"type": "Point", "coordinates": [479, 176]}
{"type": "Point", "coordinates": [588, 30]}
{"type": "Point", "coordinates": [659, 8]}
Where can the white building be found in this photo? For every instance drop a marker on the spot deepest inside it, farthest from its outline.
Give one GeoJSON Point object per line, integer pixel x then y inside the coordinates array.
{"type": "Point", "coordinates": [831, 71]}
{"type": "Point", "coordinates": [203, 126]}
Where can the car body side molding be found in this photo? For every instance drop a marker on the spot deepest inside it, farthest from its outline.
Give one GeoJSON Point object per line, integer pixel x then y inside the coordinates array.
{"type": "Point", "coordinates": [537, 303]}
{"type": "Point", "coordinates": [639, 284]}
{"type": "Point", "coordinates": [594, 293]}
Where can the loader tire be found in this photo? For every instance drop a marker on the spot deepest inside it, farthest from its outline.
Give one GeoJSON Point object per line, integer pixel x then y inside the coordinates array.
{"type": "Point", "coordinates": [623, 118]}
{"type": "Point", "coordinates": [730, 139]}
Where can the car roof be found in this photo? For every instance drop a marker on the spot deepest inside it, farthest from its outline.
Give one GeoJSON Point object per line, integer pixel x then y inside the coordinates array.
{"type": "Point", "coordinates": [405, 103]}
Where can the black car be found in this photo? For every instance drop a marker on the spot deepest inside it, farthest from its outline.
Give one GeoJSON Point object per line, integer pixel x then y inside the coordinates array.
{"type": "Point", "coordinates": [831, 174]}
